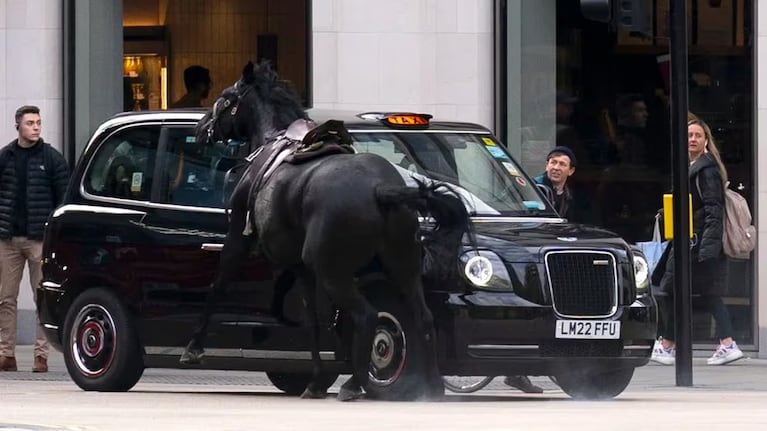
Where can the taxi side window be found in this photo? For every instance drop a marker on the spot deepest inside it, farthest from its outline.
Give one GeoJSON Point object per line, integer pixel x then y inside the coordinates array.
{"type": "Point", "coordinates": [193, 175]}
{"type": "Point", "coordinates": [123, 166]}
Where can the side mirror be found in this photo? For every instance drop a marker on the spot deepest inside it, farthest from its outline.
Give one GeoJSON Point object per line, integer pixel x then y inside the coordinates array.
{"type": "Point", "coordinates": [546, 192]}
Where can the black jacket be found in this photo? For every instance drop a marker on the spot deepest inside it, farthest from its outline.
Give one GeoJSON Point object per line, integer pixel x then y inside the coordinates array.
{"type": "Point", "coordinates": [708, 207]}
{"type": "Point", "coordinates": [47, 179]}
{"type": "Point", "coordinates": [708, 264]}
{"type": "Point", "coordinates": [562, 202]}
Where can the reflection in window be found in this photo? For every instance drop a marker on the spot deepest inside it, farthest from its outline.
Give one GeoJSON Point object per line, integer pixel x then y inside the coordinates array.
{"type": "Point", "coordinates": [124, 165]}
{"type": "Point", "coordinates": [476, 163]}
{"type": "Point", "coordinates": [193, 175]}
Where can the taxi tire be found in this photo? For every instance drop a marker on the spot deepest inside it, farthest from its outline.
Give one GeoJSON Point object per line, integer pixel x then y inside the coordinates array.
{"type": "Point", "coordinates": [594, 385]}
{"type": "Point", "coordinates": [100, 344]}
{"type": "Point", "coordinates": [408, 380]}
{"type": "Point", "coordinates": [296, 383]}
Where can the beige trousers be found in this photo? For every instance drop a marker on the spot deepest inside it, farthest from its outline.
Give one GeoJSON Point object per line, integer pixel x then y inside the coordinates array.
{"type": "Point", "coordinates": [14, 254]}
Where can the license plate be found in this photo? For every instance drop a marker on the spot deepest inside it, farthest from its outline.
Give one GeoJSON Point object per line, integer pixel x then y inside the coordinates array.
{"type": "Point", "coordinates": [593, 329]}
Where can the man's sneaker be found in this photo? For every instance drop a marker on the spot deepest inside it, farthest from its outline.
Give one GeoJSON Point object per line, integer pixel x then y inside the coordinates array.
{"type": "Point", "coordinates": [663, 356]}
{"type": "Point", "coordinates": [725, 354]}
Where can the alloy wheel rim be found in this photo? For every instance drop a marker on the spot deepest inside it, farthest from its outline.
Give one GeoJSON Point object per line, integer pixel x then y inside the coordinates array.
{"type": "Point", "coordinates": [93, 340]}
{"type": "Point", "coordinates": [389, 351]}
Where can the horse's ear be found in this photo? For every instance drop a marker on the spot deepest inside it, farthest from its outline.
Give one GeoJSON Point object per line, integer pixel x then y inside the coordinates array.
{"type": "Point", "coordinates": [248, 74]}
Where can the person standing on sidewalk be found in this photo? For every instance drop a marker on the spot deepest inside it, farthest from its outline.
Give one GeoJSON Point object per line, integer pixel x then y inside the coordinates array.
{"type": "Point", "coordinates": [33, 180]}
{"type": "Point", "coordinates": [708, 263]}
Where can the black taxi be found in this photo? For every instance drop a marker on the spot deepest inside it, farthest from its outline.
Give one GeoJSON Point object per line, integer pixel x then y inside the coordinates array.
{"type": "Point", "coordinates": [130, 256]}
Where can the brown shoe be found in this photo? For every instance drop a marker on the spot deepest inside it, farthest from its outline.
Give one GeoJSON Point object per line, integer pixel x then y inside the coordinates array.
{"type": "Point", "coordinates": [41, 365]}
{"type": "Point", "coordinates": [8, 363]}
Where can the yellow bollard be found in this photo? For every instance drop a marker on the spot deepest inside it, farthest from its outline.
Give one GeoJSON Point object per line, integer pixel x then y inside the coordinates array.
{"type": "Point", "coordinates": [668, 216]}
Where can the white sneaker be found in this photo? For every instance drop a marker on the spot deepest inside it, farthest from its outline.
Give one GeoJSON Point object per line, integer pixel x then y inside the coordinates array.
{"type": "Point", "coordinates": [725, 354]}
{"type": "Point", "coordinates": [662, 355]}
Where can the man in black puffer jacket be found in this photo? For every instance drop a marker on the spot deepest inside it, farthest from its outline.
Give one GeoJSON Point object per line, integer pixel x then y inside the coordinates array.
{"type": "Point", "coordinates": [33, 181]}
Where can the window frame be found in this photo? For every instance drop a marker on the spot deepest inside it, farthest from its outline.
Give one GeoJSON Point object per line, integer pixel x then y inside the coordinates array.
{"type": "Point", "coordinates": [97, 152]}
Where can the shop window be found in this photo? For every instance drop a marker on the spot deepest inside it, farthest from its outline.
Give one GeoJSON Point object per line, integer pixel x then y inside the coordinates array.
{"type": "Point", "coordinates": [606, 95]}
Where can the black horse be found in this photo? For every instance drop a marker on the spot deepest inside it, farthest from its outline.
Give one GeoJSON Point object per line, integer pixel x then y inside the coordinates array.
{"type": "Point", "coordinates": [325, 219]}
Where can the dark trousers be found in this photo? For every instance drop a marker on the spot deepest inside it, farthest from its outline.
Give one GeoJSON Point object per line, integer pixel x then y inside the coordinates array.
{"type": "Point", "coordinates": [712, 304]}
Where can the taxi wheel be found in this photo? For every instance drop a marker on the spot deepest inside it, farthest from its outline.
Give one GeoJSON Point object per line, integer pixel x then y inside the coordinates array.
{"type": "Point", "coordinates": [100, 344]}
{"type": "Point", "coordinates": [466, 384]}
{"type": "Point", "coordinates": [295, 383]}
{"type": "Point", "coordinates": [594, 385]}
{"type": "Point", "coordinates": [397, 359]}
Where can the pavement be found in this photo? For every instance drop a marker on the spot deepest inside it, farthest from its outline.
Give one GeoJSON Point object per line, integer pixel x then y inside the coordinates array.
{"type": "Point", "coordinates": [748, 374]}
{"type": "Point", "coordinates": [722, 397]}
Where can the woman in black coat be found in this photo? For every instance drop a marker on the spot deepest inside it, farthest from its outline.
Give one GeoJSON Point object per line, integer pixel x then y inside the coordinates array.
{"type": "Point", "coordinates": [708, 263]}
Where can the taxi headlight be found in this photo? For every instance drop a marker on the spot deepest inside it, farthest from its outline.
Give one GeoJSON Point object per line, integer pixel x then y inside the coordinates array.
{"type": "Point", "coordinates": [485, 269]}
{"type": "Point", "coordinates": [641, 274]}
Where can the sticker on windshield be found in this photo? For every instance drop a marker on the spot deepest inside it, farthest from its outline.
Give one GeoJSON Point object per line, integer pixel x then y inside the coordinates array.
{"type": "Point", "coordinates": [534, 205]}
{"type": "Point", "coordinates": [497, 152]}
{"type": "Point", "coordinates": [521, 181]}
{"type": "Point", "coordinates": [511, 168]}
{"type": "Point", "coordinates": [489, 142]}
{"type": "Point", "coordinates": [135, 185]}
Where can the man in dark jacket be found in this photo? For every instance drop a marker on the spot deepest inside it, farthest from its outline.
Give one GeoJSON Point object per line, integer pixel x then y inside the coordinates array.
{"type": "Point", "coordinates": [197, 81]}
{"type": "Point", "coordinates": [33, 180]}
{"type": "Point", "coordinates": [560, 165]}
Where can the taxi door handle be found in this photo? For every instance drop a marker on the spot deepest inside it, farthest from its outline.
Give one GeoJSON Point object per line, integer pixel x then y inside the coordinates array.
{"type": "Point", "coordinates": [212, 246]}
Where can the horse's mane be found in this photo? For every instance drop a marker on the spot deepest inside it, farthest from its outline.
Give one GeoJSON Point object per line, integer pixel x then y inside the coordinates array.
{"type": "Point", "coordinates": [277, 100]}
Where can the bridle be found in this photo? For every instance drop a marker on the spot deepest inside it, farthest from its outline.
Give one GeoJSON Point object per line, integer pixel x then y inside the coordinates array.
{"type": "Point", "coordinates": [224, 102]}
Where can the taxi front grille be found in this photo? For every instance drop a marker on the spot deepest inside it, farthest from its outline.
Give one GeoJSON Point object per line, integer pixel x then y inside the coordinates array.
{"type": "Point", "coordinates": [582, 283]}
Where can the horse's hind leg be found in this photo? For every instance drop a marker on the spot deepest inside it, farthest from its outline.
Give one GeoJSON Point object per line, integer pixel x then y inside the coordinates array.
{"type": "Point", "coordinates": [404, 268]}
{"type": "Point", "coordinates": [344, 294]}
{"type": "Point", "coordinates": [233, 256]}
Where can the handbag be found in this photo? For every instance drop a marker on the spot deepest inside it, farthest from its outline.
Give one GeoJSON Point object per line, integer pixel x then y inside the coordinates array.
{"type": "Point", "coordinates": [653, 250]}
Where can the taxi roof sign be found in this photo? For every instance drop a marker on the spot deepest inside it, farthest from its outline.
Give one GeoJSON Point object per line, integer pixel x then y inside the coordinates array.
{"type": "Point", "coordinates": [399, 119]}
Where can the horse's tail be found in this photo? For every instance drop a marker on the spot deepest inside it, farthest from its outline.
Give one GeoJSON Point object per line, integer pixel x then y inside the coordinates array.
{"type": "Point", "coordinates": [451, 221]}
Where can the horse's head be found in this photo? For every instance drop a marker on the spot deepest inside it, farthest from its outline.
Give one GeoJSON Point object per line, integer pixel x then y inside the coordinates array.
{"type": "Point", "coordinates": [255, 107]}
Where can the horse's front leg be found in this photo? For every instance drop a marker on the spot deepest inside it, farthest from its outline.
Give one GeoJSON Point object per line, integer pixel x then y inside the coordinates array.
{"type": "Point", "coordinates": [233, 256]}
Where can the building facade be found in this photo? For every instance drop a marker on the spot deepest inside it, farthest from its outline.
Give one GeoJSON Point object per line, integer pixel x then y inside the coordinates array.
{"type": "Point", "coordinates": [528, 69]}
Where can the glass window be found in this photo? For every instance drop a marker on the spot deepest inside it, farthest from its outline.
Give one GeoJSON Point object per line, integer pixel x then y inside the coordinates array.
{"type": "Point", "coordinates": [489, 179]}
{"type": "Point", "coordinates": [194, 176]}
{"type": "Point", "coordinates": [606, 95]}
{"type": "Point", "coordinates": [124, 165]}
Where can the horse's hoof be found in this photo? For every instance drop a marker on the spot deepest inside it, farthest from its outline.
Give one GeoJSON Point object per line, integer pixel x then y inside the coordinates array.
{"type": "Point", "coordinates": [192, 357]}
{"type": "Point", "coordinates": [435, 394]}
{"type": "Point", "coordinates": [313, 394]}
{"type": "Point", "coordinates": [348, 394]}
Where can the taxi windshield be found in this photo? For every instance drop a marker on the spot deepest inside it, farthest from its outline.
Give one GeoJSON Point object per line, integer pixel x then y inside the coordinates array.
{"type": "Point", "coordinates": [491, 182]}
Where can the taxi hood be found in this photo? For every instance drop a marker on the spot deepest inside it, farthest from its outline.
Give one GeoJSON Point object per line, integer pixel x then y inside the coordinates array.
{"type": "Point", "coordinates": [524, 240]}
